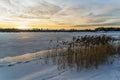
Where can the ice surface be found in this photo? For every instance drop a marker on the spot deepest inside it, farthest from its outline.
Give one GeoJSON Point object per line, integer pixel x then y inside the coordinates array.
{"type": "Point", "coordinates": [20, 58]}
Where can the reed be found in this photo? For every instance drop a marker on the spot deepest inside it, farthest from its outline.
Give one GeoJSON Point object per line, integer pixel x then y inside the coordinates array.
{"type": "Point", "coordinates": [83, 52]}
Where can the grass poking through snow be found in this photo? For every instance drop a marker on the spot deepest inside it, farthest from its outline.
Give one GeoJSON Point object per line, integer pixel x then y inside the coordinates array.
{"type": "Point", "coordinates": [83, 52]}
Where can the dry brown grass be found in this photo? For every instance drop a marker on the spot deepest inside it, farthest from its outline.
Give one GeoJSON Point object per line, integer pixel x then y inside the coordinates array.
{"type": "Point", "coordinates": [83, 52]}
{"type": "Point", "coordinates": [118, 48]}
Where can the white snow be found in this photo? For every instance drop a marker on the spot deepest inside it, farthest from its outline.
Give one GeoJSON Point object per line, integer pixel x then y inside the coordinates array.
{"type": "Point", "coordinates": [38, 70]}
{"type": "Point", "coordinates": [30, 66]}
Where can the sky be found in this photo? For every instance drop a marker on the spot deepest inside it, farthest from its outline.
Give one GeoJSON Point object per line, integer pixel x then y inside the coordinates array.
{"type": "Point", "coordinates": [59, 14]}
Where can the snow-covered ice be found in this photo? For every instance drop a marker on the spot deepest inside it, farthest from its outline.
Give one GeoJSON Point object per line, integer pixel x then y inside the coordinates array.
{"type": "Point", "coordinates": [18, 59]}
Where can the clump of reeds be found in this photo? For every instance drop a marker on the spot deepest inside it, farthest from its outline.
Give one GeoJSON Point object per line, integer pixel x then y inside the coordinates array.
{"type": "Point", "coordinates": [118, 48]}
{"type": "Point", "coordinates": [83, 52]}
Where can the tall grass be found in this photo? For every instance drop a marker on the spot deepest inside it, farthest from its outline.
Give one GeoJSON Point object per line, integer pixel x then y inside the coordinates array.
{"type": "Point", "coordinates": [118, 48]}
{"type": "Point", "coordinates": [83, 52]}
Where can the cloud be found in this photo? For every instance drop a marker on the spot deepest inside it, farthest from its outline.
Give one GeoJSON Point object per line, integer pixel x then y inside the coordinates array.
{"type": "Point", "coordinates": [27, 9]}
{"type": "Point", "coordinates": [61, 12]}
{"type": "Point", "coordinates": [68, 15]}
{"type": "Point", "coordinates": [102, 24]}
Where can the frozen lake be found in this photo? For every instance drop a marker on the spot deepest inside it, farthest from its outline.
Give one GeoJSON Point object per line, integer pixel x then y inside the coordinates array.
{"type": "Point", "coordinates": [17, 44]}
{"type": "Point", "coordinates": [14, 44]}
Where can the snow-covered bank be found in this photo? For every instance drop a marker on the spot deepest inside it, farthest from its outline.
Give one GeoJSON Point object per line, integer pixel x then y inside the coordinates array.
{"type": "Point", "coordinates": [38, 70]}
{"type": "Point", "coordinates": [24, 57]}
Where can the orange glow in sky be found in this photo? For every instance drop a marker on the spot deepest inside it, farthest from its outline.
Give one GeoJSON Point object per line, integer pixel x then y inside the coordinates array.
{"type": "Point", "coordinates": [59, 14]}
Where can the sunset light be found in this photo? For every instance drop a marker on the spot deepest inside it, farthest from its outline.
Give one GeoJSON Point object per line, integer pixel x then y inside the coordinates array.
{"type": "Point", "coordinates": [23, 27]}
{"type": "Point", "coordinates": [59, 14]}
{"type": "Point", "coordinates": [59, 39]}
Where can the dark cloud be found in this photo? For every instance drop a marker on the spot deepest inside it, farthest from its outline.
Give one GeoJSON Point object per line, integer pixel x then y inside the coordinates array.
{"type": "Point", "coordinates": [103, 24]}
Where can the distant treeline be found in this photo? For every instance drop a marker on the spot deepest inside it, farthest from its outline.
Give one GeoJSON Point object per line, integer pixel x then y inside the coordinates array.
{"type": "Point", "coordinates": [60, 30]}
{"type": "Point", "coordinates": [107, 29]}
{"type": "Point", "coordinates": [42, 30]}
